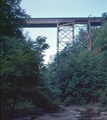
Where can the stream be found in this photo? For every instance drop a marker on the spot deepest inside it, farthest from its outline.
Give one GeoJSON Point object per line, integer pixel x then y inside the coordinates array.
{"type": "Point", "coordinates": [66, 113]}
{"type": "Point", "coordinates": [72, 113]}
{"type": "Point", "coordinates": [88, 116]}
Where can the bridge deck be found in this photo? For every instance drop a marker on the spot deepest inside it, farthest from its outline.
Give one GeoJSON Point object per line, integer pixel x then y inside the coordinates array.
{"type": "Point", "coordinates": [52, 22]}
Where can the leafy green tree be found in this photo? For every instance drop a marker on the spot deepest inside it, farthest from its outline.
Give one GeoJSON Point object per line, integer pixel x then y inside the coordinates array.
{"type": "Point", "coordinates": [11, 18]}
{"type": "Point", "coordinates": [21, 61]}
{"type": "Point", "coordinates": [100, 50]}
{"type": "Point", "coordinates": [82, 76]}
{"type": "Point", "coordinates": [20, 71]}
{"type": "Point", "coordinates": [104, 17]}
{"type": "Point", "coordinates": [100, 42]}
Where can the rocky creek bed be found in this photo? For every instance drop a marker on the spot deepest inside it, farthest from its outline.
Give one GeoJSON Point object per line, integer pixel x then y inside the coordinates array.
{"type": "Point", "coordinates": [66, 113]}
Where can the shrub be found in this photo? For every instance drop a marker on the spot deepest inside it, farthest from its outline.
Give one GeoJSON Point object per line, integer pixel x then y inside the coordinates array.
{"type": "Point", "coordinates": [67, 101]}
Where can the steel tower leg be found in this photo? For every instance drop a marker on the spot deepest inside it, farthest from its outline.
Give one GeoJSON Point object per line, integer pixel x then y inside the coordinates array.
{"type": "Point", "coordinates": [64, 35]}
{"type": "Point", "coordinates": [73, 35]}
{"type": "Point", "coordinates": [57, 38]}
{"type": "Point", "coordinates": [89, 37]}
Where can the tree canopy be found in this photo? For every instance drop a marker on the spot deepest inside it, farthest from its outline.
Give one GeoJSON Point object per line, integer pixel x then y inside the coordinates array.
{"type": "Point", "coordinates": [21, 62]}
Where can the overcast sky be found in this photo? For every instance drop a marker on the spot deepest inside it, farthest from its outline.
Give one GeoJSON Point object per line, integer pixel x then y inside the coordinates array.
{"type": "Point", "coordinates": [59, 8]}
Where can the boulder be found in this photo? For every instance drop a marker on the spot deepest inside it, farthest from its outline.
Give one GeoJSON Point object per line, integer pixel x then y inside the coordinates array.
{"type": "Point", "coordinates": [95, 110]}
{"type": "Point", "coordinates": [103, 113]}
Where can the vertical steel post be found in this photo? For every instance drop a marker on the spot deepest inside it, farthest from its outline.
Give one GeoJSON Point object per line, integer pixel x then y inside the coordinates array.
{"type": "Point", "coordinates": [57, 39]}
{"type": "Point", "coordinates": [73, 34]}
{"type": "Point", "coordinates": [89, 36]}
{"type": "Point", "coordinates": [57, 44]}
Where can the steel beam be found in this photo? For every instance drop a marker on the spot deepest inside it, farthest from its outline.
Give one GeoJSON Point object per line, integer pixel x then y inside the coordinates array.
{"type": "Point", "coordinates": [89, 37]}
{"type": "Point", "coordinates": [52, 22]}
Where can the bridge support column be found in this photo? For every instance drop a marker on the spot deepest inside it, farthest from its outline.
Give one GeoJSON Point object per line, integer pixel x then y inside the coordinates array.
{"type": "Point", "coordinates": [65, 34]}
{"type": "Point", "coordinates": [75, 35]}
{"type": "Point", "coordinates": [89, 37]}
{"type": "Point", "coordinates": [57, 39]}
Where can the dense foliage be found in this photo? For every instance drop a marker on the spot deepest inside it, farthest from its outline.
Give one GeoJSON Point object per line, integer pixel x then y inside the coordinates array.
{"type": "Point", "coordinates": [82, 77]}
{"type": "Point", "coordinates": [78, 79]}
{"type": "Point", "coordinates": [21, 62]}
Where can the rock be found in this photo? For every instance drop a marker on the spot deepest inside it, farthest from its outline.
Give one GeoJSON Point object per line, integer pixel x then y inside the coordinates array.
{"type": "Point", "coordinates": [82, 110]}
{"type": "Point", "coordinates": [78, 115]}
{"type": "Point", "coordinates": [103, 113]}
{"type": "Point", "coordinates": [99, 118]}
{"type": "Point", "coordinates": [95, 110]}
{"type": "Point", "coordinates": [104, 117]}
{"type": "Point", "coordinates": [40, 119]}
{"type": "Point", "coordinates": [96, 118]}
